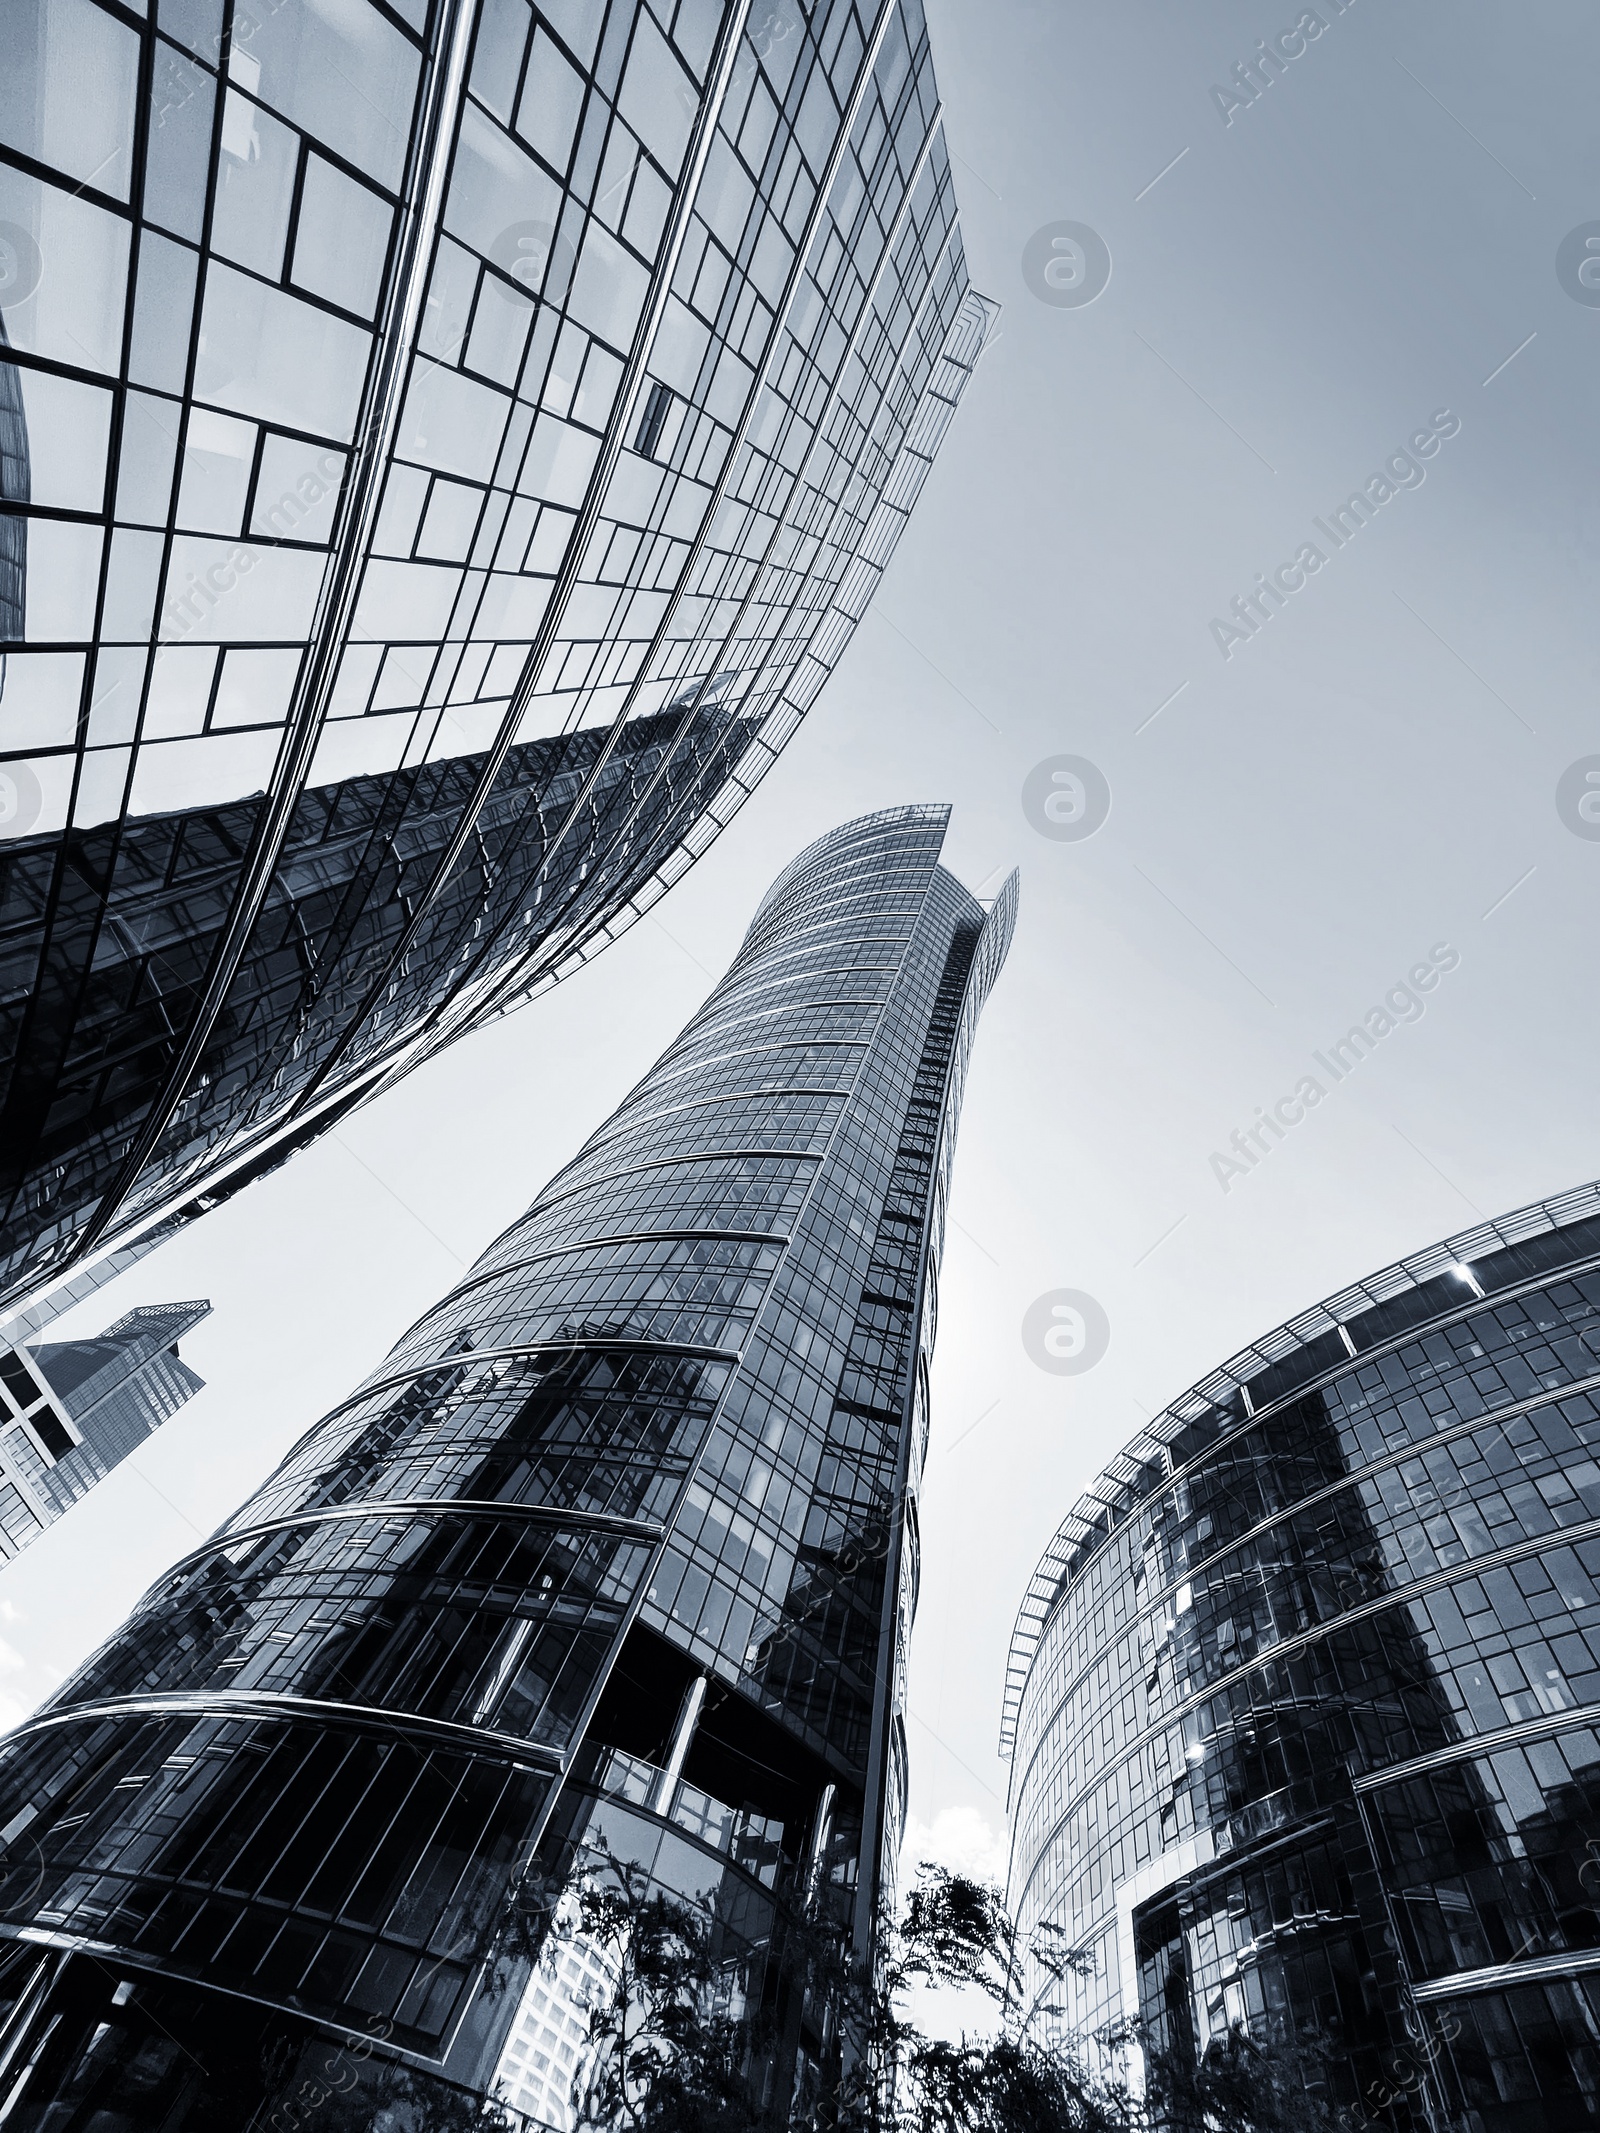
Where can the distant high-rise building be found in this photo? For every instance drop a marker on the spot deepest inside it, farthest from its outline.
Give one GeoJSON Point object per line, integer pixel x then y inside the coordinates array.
{"type": "Point", "coordinates": [70, 1410]}
{"type": "Point", "coordinates": [551, 2048]}
{"type": "Point", "coordinates": [619, 1546]}
{"type": "Point", "coordinates": [444, 447]}
{"type": "Point", "coordinates": [1304, 1700]}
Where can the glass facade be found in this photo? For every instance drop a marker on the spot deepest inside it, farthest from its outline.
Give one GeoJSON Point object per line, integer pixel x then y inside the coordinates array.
{"type": "Point", "coordinates": [1304, 1699]}
{"type": "Point", "coordinates": [444, 447]}
{"type": "Point", "coordinates": [549, 2048]}
{"type": "Point", "coordinates": [618, 1544]}
{"type": "Point", "coordinates": [70, 1410]}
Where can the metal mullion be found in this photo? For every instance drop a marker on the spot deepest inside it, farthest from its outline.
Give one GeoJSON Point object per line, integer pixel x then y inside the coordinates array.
{"type": "Point", "coordinates": [258, 1704]}
{"type": "Point", "coordinates": [259, 1852]}
{"type": "Point", "coordinates": [131, 213]}
{"type": "Point", "coordinates": [60, 181]}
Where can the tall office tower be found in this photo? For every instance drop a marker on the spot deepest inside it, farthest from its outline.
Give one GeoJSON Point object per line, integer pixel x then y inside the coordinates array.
{"type": "Point", "coordinates": [444, 447]}
{"type": "Point", "coordinates": [618, 1545]}
{"type": "Point", "coordinates": [70, 1410]}
{"type": "Point", "coordinates": [1304, 1699]}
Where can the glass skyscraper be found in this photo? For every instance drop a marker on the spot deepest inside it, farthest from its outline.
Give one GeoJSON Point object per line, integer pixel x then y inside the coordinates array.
{"type": "Point", "coordinates": [71, 1410]}
{"type": "Point", "coordinates": [444, 447]}
{"type": "Point", "coordinates": [618, 1546]}
{"type": "Point", "coordinates": [1304, 1698]}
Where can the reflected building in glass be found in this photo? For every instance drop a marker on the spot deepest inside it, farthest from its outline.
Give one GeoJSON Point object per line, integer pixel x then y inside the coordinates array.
{"type": "Point", "coordinates": [72, 1410]}
{"type": "Point", "coordinates": [618, 1547]}
{"type": "Point", "coordinates": [444, 447]}
{"type": "Point", "coordinates": [1303, 1706]}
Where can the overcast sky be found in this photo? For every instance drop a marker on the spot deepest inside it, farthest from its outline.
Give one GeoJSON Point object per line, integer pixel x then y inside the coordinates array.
{"type": "Point", "coordinates": [1316, 278]}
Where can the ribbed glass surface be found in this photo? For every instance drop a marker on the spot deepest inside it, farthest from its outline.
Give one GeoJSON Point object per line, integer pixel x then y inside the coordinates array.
{"type": "Point", "coordinates": [668, 1429]}
{"type": "Point", "coordinates": [444, 447]}
{"type": "Point", "coordinates": [1311, 1739]}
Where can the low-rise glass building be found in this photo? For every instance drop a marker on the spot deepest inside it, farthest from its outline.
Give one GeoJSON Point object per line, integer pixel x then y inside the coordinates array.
{"type": "Point", "coordinates": [1303, 1706]}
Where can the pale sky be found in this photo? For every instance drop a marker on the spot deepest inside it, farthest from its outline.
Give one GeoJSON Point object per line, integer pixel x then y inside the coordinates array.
{"type": "Point", "coordinates": [1367, 250]}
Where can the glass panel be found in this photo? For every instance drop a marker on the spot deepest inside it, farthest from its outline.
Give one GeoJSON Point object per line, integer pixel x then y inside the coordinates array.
{"type": "Point", "coordinates": [67, 90]}
{"type": "Point", "coordinates": [268, 354]}
{"type": "Point", "coordinates": [255, 185]}
{"type": "Point", "coordinates": [341, 239]}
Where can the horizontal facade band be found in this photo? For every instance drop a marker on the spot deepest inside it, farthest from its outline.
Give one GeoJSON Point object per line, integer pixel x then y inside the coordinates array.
{"type": "Point", "coordinates": [642, 1236]}
{"type": "Point", "coordinates": [256, 1704]}
{"type": "Point", "coordinates": [1538, 1969]}
{"type": "Point", "coordinates": [704, 1062]}
{"type": "Point", "coordinates": [670, 1162]}
{"type": "Point", "coordinates": [529, 1514]}
{"type": "Point", "coordinates": [782, 950]}
{"type": "Point", "coordinates": [605, 1346]}
{"type": "Point", "coordinates": [106, 1952]}
{"type": "Point", "coordinates": [631, 1124]}
{"type": "Point", "coordinates": [595, 1244]}
{"type": "Point", "coordinates": [1466, 1751]}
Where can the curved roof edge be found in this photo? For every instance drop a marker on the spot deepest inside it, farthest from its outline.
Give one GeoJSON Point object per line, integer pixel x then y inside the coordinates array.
{"type": "Point", "coordinates": [999, 923]}
{"type": "Point", "coordinates": [918, 811]}
{"type": "Point", "coordinates": [1107, 1499]}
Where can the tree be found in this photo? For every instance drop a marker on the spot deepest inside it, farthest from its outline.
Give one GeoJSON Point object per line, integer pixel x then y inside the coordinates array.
{"type": "Point", "coordinates": [669, 2040]}
{"type": "Point", "coordinates": [1240, 2085]}
{"type": "Point", "coordinates": [674, 2045]}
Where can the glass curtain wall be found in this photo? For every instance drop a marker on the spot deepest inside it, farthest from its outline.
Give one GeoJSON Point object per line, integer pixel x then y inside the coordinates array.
{"type": "Point", "coordinates": [71, 1410]}
{"type": "Point", "coordinates": [617, 1546]}
{"type": "Point", "coordinates": [1304, 1699]}
{"type": "Point", "coordinates": [444, 447]}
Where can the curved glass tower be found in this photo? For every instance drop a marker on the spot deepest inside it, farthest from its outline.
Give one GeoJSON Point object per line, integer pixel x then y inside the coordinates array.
{"type": "Point", "coordinates": [444, 447]}
{"type": "Point", "coordinates": [619, 1543]}
{"type": "Point", "coordinates": [1304, 1699]}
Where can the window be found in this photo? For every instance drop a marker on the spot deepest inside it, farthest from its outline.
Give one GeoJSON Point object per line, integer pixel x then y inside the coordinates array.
{"type": "Point", "coordinates": [656, 409]}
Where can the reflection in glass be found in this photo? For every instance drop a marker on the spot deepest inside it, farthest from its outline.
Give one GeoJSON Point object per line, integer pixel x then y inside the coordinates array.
{"type": "Point", "coordinates": [616, 1548]}
{"type": "Point", "coordinates": [1303, 1698]}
